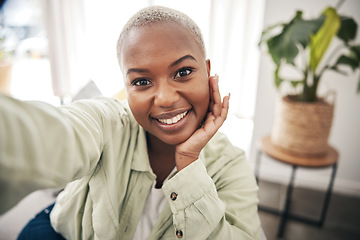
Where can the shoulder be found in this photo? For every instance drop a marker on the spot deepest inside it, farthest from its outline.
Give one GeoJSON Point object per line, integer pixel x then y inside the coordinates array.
{"type": "Point", "coordinates": [109, 117]}
{"type": "Point", "coordinates": [99, 105]}
{"type": "Point", "coordinates": [221, 158]}
{"type": "Point", "coordinates": [219, 147]}
{"type": "Point", "coordinates": [101, 109]}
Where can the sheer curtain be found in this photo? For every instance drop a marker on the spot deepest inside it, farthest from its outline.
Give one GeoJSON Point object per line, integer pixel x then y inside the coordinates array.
{"type": "Point", "coordinates": [65, 25]}
{"type": "Point", "coordinates": [234, 30]}
{"type": "Point", "coordinates": [235, 27]}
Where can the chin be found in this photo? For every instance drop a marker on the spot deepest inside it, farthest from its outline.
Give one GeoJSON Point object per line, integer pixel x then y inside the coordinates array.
{"type": "Point", "coordinates": [175, 139]}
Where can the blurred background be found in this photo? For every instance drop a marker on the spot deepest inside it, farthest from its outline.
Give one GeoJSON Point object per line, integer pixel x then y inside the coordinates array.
{"type": "Point", "coordinates": [53, 50]}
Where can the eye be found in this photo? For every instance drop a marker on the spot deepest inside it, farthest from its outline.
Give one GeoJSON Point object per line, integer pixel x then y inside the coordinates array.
{"type": "Point", "coordinates": [141, 82]}
{"type": "Point", "coordinates": [183, 72]}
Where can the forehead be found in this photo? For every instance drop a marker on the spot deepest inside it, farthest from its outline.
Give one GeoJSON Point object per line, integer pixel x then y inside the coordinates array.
{"type": "Point", "coordinates": [156, 41]}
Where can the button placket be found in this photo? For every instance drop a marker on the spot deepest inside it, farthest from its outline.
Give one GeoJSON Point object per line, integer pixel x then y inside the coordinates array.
{"type": "Point", "coordinates": [179, 233]}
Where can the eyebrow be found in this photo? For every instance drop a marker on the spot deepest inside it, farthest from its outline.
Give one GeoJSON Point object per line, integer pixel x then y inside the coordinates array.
{"type": "Point", "coordinates": [136, 70]}
{"type": "Point", "coordinates": [140, 70]}
{"type": "Point", "coordinates": [182, 59]}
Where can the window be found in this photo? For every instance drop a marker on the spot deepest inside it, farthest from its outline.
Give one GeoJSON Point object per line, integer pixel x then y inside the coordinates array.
{"type": "Point", "coordinates": [22, 21]}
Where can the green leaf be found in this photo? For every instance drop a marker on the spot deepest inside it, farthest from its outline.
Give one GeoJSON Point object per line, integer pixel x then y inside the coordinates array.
{"type": "Point", "coordinates": [269, 32]}
{"type": "Point", "coordinates": [294, 83]}
{"type": "Point", "coordinates": [303, 29]}
{"type": "Point", "coordinates": [347, 60]}
{"type": "Point", "coordinates": [322, 39]}
{"type": "Point", "coordinates": [284, 46]}
{"type": "Point", "coordinates": [278, 80]}
{"type": "Point", "coordinates": [358, 86]}
{"type": "Point", "coordinates": [348, 28]}
{"type": "Point", "coordinates": [336, 69]}
{"type": "Point", "coordinates": [352, 60]}
{"type": "Point", "coordinates": [355, 51]}
{"type": "Point", "coordinates": [281, 47]}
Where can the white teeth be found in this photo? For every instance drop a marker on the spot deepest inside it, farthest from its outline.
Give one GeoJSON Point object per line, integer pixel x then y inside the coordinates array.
{"type": "Point", "coordinates": [174, 119]}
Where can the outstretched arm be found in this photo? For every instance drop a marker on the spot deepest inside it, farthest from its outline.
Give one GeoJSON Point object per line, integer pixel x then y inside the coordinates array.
{"type": "Point", "coordinates": [44, 146]}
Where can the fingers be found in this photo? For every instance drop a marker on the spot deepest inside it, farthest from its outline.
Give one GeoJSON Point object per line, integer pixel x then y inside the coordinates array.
{"type": "Point", "coordinates": [213, 123]}
{"type": "Point", "coordinates": [219, 120]}
{"type": "Point", "coordinates": [225, 108]}
{"type": "Point", "coordinates": [215, 104]}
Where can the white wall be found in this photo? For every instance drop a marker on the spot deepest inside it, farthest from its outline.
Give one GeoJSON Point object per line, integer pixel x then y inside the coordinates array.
{"type": "Point", "coordinates": [345, 133]}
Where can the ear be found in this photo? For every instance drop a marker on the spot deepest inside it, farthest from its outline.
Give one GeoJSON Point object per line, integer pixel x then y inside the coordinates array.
{"type": "Point", "coordinates": [208, 67]}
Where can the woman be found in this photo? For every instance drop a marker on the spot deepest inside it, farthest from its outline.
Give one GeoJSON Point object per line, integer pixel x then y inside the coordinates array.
{"type": "Point", "coordinates": [149, 168]}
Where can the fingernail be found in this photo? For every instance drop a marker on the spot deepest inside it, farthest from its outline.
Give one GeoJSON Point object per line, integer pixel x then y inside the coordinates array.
{"type": "Point", "coordinates": [217, 77]}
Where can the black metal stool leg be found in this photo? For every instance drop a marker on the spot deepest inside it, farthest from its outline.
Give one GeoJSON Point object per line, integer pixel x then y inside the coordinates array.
{"type": "Point", "coordinates": [285, 214]}
{"type": "Point", "coordinates": [328, 196]}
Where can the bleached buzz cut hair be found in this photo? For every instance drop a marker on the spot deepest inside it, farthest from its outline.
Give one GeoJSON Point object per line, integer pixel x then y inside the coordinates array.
{"type": "Point", "coordinates": [157, 14]}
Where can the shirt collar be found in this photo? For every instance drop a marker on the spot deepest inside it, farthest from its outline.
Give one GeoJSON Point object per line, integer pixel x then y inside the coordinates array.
{"type": "Point", "coordinates": [141, 158]}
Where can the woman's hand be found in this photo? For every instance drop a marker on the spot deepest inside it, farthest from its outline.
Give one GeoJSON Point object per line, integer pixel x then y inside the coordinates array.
{"type": "Point", "coordinates": [188, 151]}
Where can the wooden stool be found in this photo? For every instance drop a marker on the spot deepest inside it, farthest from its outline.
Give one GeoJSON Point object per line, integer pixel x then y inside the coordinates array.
{"type": "Point", "coordinates": [330, 159]}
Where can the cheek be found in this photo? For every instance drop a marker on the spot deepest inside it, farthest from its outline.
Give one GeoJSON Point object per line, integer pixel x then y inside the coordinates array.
{"type": "Point", "coordinates": [199, 96]}
{"type": "Point", "coordinates": [139, 105]}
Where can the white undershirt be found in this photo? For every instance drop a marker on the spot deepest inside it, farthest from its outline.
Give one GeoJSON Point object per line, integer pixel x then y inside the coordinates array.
{"type": "Point", "coordinates": [154, 204]}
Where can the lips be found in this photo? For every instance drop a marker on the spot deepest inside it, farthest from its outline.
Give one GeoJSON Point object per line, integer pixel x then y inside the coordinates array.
{"type": "Point", "coordinates": [171, 118]}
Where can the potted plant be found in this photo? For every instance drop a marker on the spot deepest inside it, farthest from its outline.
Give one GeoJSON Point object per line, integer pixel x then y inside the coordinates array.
{"type": "Point", "coordinates": [311, 47]}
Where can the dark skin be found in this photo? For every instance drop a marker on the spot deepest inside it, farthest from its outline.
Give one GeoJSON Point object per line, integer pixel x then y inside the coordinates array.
{"type": "Point", "coordinates": [162, 159]}
{"type": "Point", "coordinates": [171, 94]}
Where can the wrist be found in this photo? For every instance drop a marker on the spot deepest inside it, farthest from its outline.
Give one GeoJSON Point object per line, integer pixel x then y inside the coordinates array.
{"type": "Point", "coordinates": [182, 160]}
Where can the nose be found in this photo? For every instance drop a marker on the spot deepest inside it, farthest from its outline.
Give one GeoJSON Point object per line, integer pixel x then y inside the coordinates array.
{"type": "Point", "coordinates": [166, 95]}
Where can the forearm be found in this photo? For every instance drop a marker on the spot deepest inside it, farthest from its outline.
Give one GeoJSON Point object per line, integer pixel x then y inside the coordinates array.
{"type": "Point", "coordinates": [41, 146]}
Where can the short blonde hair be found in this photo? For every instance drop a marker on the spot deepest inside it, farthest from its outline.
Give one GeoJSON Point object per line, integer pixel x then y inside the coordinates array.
{"type": "Point", "coordinates": [156, 14]}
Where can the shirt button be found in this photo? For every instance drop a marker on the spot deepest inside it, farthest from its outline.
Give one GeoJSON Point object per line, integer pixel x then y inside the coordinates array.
{"type": "Point", "coordinates": [179, 234]}
{"type": "Point", "coordinates": [173, 196]}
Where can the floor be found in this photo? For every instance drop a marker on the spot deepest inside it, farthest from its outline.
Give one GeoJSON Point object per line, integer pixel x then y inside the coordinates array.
{"type": "Point", "coordinates": [342, 221]}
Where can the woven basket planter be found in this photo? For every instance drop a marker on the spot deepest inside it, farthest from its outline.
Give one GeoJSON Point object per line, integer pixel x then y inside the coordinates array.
{"type": "Point", "coordinates": [302, 128]}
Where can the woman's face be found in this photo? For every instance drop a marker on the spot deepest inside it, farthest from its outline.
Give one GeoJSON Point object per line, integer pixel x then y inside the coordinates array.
{"type": "Point", "coordinates": [166, 80]}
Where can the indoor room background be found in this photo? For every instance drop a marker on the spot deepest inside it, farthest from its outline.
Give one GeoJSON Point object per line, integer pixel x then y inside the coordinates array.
{"type": "Point", "coordinates": [63, 48]}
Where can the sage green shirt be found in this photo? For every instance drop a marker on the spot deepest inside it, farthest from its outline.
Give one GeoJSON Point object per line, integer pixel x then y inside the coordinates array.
{"type": "Point", "coordinates": [99, 147]}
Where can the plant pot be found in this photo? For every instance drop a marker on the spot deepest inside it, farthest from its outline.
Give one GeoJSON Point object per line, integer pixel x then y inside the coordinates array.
{"type": "Point", "coordinates": [302, 128]}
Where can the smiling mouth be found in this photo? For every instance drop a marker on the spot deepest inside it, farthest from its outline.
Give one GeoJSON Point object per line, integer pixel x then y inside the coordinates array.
{"type": "Point", "coordinates": [173, 120]}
